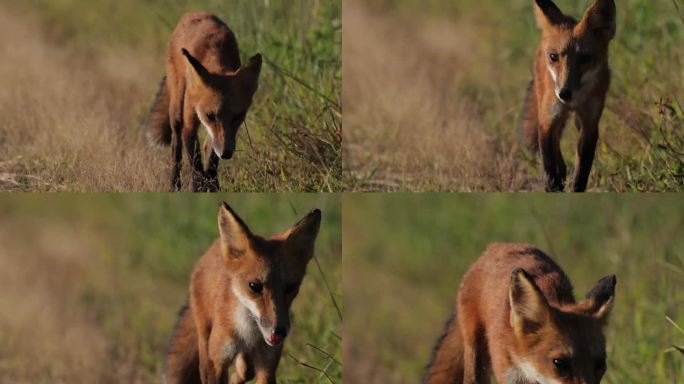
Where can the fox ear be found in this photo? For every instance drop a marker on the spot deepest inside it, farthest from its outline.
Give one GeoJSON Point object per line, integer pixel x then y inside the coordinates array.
{"type": "Point", "coordinates": [529, 308]}
{"type": "Point", "coordinates": [600, 17]}
{"type": "Point", "coordinates": [254, 64]}
{"type": "Point", "coordinates": [548, 14]}
{"type": "Point", "coordinates": [248, 74]}
{"type": "Point", "coordinates": [302, 236]}
{"type": "Point", "coordinates": [196, 71]}
{"type": "Point", "coordinates": [601, 298]}
{"type": "Point", "coordinates": [233, 231]}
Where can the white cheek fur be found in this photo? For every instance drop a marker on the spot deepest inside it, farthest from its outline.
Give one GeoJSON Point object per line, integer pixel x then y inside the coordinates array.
{"type": "Point", "coordinates": [525, 372]}
{"type": "Point", "coordinates": [553, 74]}
{"type": "Point", "coordinates": [246, 317]}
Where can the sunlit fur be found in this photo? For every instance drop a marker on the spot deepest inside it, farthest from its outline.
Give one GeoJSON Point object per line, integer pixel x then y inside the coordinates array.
{"type": "Point", "coordinates": [205, 84]}
{"type": "Point", "coordinates": [571, 75]}
{"type": "Point", "coordinates": [515, 314]}
{"type": "Point", "coordinates": [228, 322]}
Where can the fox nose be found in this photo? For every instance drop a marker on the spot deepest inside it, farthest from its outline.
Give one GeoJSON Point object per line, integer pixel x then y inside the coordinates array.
{"type": "Point", "coordinates": [226, 155]}
{"type": "Point", "coordinates": [565, 95]}
{"type": "Point", "coordinates": [278, 335]}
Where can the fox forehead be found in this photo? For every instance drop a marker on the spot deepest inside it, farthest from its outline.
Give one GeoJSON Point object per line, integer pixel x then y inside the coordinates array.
{"type": "Point", "coordinates": [271, 260]}
{"type": "Point", "coordinates": [567, 40]}
{"type": "Point", "coordinates": [581, 336]}
{"type": "Point", "coordinates": [223, 101]}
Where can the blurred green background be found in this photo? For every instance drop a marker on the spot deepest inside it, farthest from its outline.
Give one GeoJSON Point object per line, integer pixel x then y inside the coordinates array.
{"type": "Point", "coordinates": [404, 256]}
{"type": "Point", "coordinates": [92, 283]}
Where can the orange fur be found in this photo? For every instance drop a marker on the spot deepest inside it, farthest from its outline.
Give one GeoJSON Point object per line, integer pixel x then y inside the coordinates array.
{"type": "Point", "coordinates": [518, 320]}
{"type": "Point", "coordinates": [205, 84]}
{"type": "Point", "coordinates": [571, 74]}
{"type": "Point", "coordinates": [241, 291]}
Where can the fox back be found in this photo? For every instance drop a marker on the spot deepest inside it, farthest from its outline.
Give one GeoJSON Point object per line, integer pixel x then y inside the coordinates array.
{"type": "Point", "coordinates": [516, 317]}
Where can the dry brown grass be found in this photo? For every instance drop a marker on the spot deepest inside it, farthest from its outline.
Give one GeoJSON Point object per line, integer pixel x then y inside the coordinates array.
{"type": "Point", "coordinates": [70, 120]}
{"type": "Point", "coordinates": [404, 126]}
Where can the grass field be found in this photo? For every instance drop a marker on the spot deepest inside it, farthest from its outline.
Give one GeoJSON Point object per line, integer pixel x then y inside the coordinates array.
{"type": "Point", "coordinates": [91, 283]}
{"type": "Point", "coordinates": [404, 255]}
{"type": "Point", "coordinates": [434, 90]}
{"type": "Point", "coordinates": [79, 78]}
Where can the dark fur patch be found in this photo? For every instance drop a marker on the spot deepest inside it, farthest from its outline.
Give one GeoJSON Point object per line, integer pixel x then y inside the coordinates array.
{"type": "Point", "coordinates": [438, 345]}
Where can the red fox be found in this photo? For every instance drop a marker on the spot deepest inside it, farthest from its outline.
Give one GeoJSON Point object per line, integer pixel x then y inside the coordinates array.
{"type": "Point", "coordinates": [571, 74]}
{"type": "Point", "coordinates": [516, 317]}
{"type": "Point", "coordinates": [204, 84]}
{"type": "Point", "coordinates": [238, 311]}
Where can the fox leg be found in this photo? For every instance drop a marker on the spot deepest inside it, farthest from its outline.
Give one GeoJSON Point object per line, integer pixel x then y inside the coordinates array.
{"type": "Point", "coordinates": [474, 371]}
{"type": "Point", "coordinates": [552, 158]}
{"type": "Point", "coordinates": [176, 146]}
{"type": "Point", "coordinates": [244, 370]}
{"type": "Point", "coordinates": [205, 367]}
{"type": "Point", "coordinates": [211, 166]}
{"type": "Point", "coordinates": [221, 353]}
{"type": "Point", "coordinates": [587, 122]}
{"type": "Point", "coordinates": [192, 148]}
{"type": "Point", "coordinates": [266, 361]}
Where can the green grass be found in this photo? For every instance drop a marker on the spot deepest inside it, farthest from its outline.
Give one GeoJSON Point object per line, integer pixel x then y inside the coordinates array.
{"type": "Point", "coordinates": [138, 251]}
{"type": "Point", "coordinates": [642, 140]}
{"type": "Point", "coordinates": [407, 254]}
{"type": "Point", "coordinates": [292, 137]}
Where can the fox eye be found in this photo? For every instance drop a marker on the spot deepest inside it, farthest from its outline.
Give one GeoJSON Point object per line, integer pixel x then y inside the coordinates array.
{"type": "Point", "coordinates": [256, 287]}
{"type": "Point", "coordinates": [553, 57]}
{"type": "Point", "coordinates": [211, 116]}
{"type": "Point", "coordinates": [563, 366]}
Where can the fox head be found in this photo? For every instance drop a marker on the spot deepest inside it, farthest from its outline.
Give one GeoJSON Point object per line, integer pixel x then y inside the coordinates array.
{"type": "Point", "coordinates": [266, 273]}
{"type": "Point", "coordinates": [558, 345]}
{"type": "Point", "coordinates": [221, 100]}
{"type": "Point", "coordinates": [575, 52]}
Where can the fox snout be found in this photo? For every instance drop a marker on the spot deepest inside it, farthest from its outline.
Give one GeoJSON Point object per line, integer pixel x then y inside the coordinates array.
{"type": "Point", "coordinates": [274, 335]}
{"type": "Point", "coordinates": [277, 336]}
{"type": "Point", "coordinates": [224, 147]}
{"type": "Point", "coordinates": [565, 95]}
{"type": "Point", "coordinates": [227, 154]}
{"type": "Point", "coordinates": [566, 84]}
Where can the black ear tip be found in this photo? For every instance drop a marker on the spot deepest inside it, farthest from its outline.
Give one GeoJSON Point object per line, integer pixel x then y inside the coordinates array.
{"type": "Point", "coordinates": [314, 215]}
{"type": "Point", "coordinates": [255, 61]}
